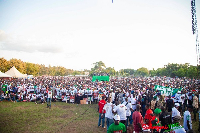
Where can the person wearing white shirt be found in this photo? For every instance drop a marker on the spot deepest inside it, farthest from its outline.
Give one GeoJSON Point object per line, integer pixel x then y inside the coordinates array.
{"type": "Point", "coordinates": [49, 97]}
{"type": "Point", "coordinates": [109, 115]}
{"type": "Point", "coordinates": [187, 120]}
{"type": "Point", "coordinates": [177, 128]}
{"type": "Point", "coordinates": [175, 111]}
{"type": "Point", "coordinates": [121, 111]}
{"type": "Point", "coordinates": [128, 111]}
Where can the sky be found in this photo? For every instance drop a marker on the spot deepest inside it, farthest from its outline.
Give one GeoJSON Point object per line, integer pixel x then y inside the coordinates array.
{"type": "Point", "coordinates": [77, 33]}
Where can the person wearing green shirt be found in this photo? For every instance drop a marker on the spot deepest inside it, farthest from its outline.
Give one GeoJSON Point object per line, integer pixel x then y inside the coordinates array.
{"type": "Point", "coordinates": [117, 127]}
{"type": "Point", "coordinates": [4, 87]}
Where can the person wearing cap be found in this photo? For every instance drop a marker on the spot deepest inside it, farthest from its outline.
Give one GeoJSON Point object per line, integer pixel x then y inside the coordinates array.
{"type": "Point", "coordinates": [129, 109]}
{"type": "Point", "coordinates": [187, 121]}
{"type": "Point", "coordinates": [175, 111]}
{"type": "Point", "coordinates": [155, 119]}
{"type": "Point", "coordinates": [176, 127]}
{"type": "Point", "coordinates": [117, 126]}
{"type": "Point", "coordinates": [137, 119]}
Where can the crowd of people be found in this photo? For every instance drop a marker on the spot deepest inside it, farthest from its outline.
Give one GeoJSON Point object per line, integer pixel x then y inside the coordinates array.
{"type": "Point", "coordinates": [126, 104]}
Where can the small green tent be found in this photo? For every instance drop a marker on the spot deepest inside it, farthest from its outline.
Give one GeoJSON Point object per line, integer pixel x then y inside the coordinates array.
{"type": "Point", "coordinates": [100, 78]}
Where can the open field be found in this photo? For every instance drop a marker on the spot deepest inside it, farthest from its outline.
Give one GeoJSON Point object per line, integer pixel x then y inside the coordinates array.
{"type": "Point", "coordinates": [62, 117]}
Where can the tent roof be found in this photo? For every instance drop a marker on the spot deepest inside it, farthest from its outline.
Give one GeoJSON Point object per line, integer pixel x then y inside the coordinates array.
{"type": "Point", "coordinates": [15, 73]}
{"type": "Point", "coordinates": [3, 75]}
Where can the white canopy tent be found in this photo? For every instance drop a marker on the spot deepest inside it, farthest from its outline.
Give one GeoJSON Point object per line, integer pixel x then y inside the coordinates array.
{"type": "Point", "coordinates": [15, 73]}
{"type": "Point", "coordinates": [3, 75]}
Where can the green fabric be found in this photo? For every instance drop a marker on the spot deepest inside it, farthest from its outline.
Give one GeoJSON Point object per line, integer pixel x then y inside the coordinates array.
{"type": "Point", "coordinates": [100, 78]}
{"type": "Point", "coordinates": [4, 88]}
{"type": "Point", "coordinates": [121, 127]}
{"type": "Point", "coordinates": [167, 90]}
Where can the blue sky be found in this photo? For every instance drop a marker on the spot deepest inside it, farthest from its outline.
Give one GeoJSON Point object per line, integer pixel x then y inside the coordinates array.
{"type": "Point", "coordinates": [77, 33]}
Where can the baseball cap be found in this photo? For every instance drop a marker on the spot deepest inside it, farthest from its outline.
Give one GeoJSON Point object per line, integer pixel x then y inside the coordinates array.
{"type": "Point", "coordinates": [177, 104]}
{"type": "Point", "coordinates": [157, 111]}
{"type": "Point", "coordinates": [117, 117]}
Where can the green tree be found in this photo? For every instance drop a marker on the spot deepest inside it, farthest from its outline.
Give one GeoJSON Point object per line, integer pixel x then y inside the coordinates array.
{"type": "Point", "coordinates": [19, 65]}
{"type": "Point", "coordinates": [4, 65]}
{"type": "Point", "coordinates": [142, 71]}
{"type": "Point", "coordinates": [180, 72]}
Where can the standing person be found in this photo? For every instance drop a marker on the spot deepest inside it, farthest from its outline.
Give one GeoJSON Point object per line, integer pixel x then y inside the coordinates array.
{"type": "Point", "coordinates": [148, 115]}
{"type": "Point", "coordinates": [49, 97]}
{"type": "Point", "coordinates": [153, 102]}
{"type": "Point", "coordinates": [187, 121]}
{"type": "Point", "coordinates": [117, 127]}
{"type": "Point", "coordinates": [169, 104]}
{"type": "Point", "coordinates": [121, 111]}
{"type": "Point", "coordinates": [101, 112]}
{"type": "Point", "coordinates": [177, 128]}
{"type": "Point", "coordinates": [109, 115]}
{"type": "Point", "coordinates": [137, 120]}
{"type": "Point", "coordinates": [175, 111]}
{"type": "Point", "coordinates": [128, 111]}
{"type": "Point", "coordinates": [165, 118]}
{"type": "Point", "coordinates": [195, 105]}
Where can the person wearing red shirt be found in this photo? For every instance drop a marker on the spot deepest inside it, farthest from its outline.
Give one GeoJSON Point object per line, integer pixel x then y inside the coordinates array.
{"type": "Point", "coordinates": [137, 120]}
{"type": "Point", "coordinates": [101, 112]}
{"type": "Point", "coordinates": [149, 114]}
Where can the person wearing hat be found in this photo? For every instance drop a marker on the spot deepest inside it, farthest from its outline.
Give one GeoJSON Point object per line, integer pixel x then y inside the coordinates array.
{"type": "Point", "coordinates": [117, 126]}
{"type": "Point", "coordinates": [176, 127]}
{"type": "Point", "coordinates": [187, 121]}
{"type": "Point", "coordinates": [155, 120]}
{"type": "Point", "coordinates": [175, 111]}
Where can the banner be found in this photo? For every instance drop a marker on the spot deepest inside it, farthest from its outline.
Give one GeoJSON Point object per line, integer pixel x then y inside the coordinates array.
{"type": "Point", "coordinates": [167, 90]}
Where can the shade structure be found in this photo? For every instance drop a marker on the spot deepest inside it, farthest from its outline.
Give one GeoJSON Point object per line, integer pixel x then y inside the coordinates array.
{"type": "Point", "coordinates": [15, 73]}
{"type": "Point", "coordinates": [3, 75]}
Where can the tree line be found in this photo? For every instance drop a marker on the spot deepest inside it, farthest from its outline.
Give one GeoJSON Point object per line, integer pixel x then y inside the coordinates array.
{"type": "Point", "coordinates": [169, 70]}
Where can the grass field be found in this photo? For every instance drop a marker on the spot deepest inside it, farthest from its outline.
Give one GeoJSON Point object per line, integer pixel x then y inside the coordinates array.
{"type": "Point", "coordinates": [62, 117]}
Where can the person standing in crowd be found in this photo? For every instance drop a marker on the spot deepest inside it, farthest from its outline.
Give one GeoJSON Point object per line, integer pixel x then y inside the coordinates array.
{"type": "Point", "coordinates": [155, 120]}
{"type": "Point", "coordinates": [137, 120]}
{"type": "Point", "coordinates": [187, 121]}
{"type": "Point", "coordinates": [169, 104]}
{"type": "Point", "coordinates": [175, 111]}
{"type": "Point", "coordinates": [177, 128]}
{"type": "Point", "coordinates": [49, 97]}
{"type": "Point", "coordinates": [148, 115]}
{"type": "Point", "coordinates": [143, 103]}
{"type": "Point", "coordinates": [195, 106]}
{"type": "Point", "coordinates": [101, 104]}
{"type": "Point", "coordinates": [128, 111]}
{"type": "Point", "coordinates": [121, 111]}
{"type": "Point", "coordinates": [165, 118]}
{"type": "Point", "coordinates": [153, 103]}
{"type": "Point", "coordinates": [117, 126]}
{"type": "Point", "coordinates": [108, 115]}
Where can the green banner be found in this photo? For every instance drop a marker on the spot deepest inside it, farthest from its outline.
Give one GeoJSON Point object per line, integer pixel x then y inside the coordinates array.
{"type": "Point", "coordinates": [100, 78]}
{"type": "Point", "coordinates": [167, 90]}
